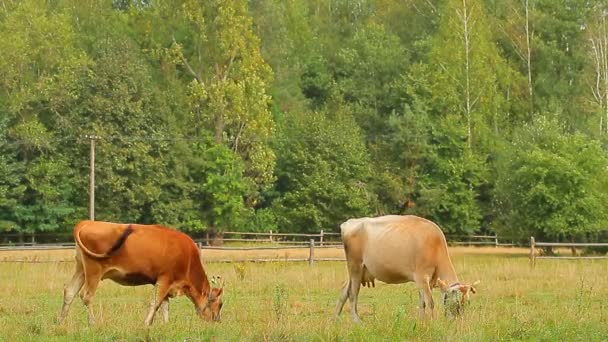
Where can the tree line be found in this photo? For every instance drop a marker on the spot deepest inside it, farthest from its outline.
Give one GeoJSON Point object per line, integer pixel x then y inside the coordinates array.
{"type": "Point", "coordinates": [247, 115]}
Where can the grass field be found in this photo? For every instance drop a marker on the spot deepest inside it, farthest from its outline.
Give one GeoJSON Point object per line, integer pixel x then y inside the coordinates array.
{"type": "Point", "coordinates": [560, 300]}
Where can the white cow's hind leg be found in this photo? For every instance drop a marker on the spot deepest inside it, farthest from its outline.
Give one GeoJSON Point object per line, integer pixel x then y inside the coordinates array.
{"type": "Point", "coordinates": [71, 289]}
{"type": "Point", "coordinates": [355, 285]}
{"type": "Point", "coordinates": [343, 297]}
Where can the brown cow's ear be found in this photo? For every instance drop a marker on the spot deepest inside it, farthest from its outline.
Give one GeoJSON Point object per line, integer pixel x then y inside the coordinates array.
{"type": "Point", "coordinates": [442, 285]}
{"type": "Point", "coordinates": [464, 289]}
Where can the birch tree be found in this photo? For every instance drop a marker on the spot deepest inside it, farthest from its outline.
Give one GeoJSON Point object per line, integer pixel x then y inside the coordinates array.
{"type": "Point", "coordinates": [517, 28]}
{"type": "Point", "coordinates": [598, 56]}
{"type": "Point", "coordinates": [468, 76]}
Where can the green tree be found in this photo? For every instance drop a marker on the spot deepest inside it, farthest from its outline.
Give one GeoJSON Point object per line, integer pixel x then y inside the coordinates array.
{"type": "Point", "coordinates": [471, 81]}
{"type": "Point", "coordinates": [39, 69]}
{"type": "Point", "coordinates": [366, 71]}
{"type": "Point", "coordinates": [551, 184]}
{"type": "Point", "coordinates": [11, 187]}
{"type": "Point", "coordinates": [322, 171]}
{"type": "Point", "coordinates": [215, 47]}
{"type": "Point", "coordinates": [559, 57]}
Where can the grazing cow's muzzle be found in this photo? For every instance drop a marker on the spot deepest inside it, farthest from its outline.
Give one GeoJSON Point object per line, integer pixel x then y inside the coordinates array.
{"type": "Point", "coordinates": [213, 307]}
{"type": "Point", "coordinates": [456, 297]}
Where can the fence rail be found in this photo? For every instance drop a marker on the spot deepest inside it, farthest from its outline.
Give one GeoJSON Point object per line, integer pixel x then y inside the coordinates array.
{"type": "Point", "coordinates": [265, 241]}
{"type": "Point", "coordinates": [534, 244]}
{"type": "Point", "coordinates": [288, 239]}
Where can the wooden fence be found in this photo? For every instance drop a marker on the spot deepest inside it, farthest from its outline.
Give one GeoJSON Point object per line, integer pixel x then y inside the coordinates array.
{"type": "Point", "coordinates": [310, 259]}
{"type": "Point", "coordinates": [235, 241]}
{"type": "Point", "coordinates": [322, 238]}
{"type": "Point", "coordinates": [534, 244]}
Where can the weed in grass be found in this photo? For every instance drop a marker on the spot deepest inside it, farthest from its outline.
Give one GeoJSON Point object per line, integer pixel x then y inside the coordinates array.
{"type": "Point", "coordinates": [279, 301]}
{"type": "Point", "coordinates": [240, 270]}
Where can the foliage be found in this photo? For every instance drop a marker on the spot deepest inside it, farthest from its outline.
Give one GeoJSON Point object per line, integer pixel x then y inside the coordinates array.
{"type": "Point", "coordinates": [322, 173]}
{"type": "Point", "coordinates": [294, 115]}
{"type": "Point", "coordinates": [552, 184]}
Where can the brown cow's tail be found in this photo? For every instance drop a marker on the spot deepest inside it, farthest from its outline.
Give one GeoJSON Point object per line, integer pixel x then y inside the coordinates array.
{"type": "Point", "coordinates": [119, 242]}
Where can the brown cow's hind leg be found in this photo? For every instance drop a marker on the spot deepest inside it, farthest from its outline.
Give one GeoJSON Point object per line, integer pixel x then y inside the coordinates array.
{"type": "Point", "coordinates": [88, 292]}
{"type": "Point", "coordinates": [71, 289]}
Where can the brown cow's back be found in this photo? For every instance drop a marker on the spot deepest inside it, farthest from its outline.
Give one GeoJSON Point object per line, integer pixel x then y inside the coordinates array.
{"type": "Point", "coordinates": [134, 254]}
{"type": "Point", "coordinates": [148, 252]}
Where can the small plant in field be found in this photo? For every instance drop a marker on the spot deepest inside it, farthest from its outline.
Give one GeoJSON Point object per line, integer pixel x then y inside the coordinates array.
{"type": "Point", "coordinates": [398, 317]}
{"type": "Point", "coordinates": [240, 270]}
{"type": "Point", "coordinates": [582, 294]}
{"type": "Point", "coordinates": [279, 301]}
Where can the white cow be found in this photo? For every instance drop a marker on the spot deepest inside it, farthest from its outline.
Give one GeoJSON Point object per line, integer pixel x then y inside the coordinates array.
{"type": "Point", "coordinates": [398, 249]}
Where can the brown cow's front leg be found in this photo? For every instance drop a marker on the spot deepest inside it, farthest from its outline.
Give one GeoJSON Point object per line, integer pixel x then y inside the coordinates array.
{"type": "Point", "coordinates": [164, 307]}
{"type": "Point", "coordinates": [163, 291]}
{"type": "Point", "coordinates": [71, 289]}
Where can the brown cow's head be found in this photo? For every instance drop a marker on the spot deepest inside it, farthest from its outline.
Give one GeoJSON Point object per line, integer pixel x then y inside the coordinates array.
{"type": "Point", "coordinates": [213, 307]}
{"type": "Point", "coordinates": [455, 297]}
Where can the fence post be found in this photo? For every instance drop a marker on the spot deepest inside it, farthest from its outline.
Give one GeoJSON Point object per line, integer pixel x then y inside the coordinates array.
{"type": "Point", "coordinates": [496, 241]}
{"type": "Point", "coordinates": [311, 256]}
{"type": "Point", "coordinates": [321, 238]}
{"type": "Point", "coordinates": [270, 235]}
{"type": "Point", "coordinates": [532, 252]}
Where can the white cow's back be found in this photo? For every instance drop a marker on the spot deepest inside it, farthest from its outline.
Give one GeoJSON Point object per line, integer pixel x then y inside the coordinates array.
{"type": "Point", "coordinates": [393, 247]}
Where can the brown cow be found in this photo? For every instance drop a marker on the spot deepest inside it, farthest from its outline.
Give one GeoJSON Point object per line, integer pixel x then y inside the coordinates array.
{"type": "Point", "coordinates": [137, 254]}
{"type": "Point", "coordinates": [398, 249]}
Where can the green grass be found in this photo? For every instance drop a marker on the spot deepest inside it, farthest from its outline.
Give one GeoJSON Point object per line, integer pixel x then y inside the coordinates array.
{"type": "Point", "coordinates": [561, 300]}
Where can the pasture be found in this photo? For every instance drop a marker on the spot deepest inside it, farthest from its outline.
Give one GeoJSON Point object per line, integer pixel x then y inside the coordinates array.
{"type": "Point", "coordinates": [280, 301]}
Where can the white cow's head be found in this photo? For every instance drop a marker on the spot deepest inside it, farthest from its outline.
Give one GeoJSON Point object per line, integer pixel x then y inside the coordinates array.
{"type": "Point", "coordinates": [455, 297]}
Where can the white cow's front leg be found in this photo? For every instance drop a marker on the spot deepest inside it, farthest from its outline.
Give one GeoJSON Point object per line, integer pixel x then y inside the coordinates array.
{"type": "Point", "coordinates": [164, 307]}
{"type": "Point", "coordinates": [421, 305]}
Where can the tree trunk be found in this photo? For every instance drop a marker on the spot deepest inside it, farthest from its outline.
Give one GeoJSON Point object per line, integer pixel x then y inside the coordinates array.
{"type": "Point", "coordinates": [467, 49]}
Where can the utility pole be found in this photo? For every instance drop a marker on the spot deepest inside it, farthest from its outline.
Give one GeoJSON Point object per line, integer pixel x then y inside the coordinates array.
{"type": "Point", "coordinates": [92, 178]}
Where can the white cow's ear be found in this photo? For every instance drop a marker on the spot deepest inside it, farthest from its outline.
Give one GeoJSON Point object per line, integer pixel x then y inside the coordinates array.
{"type": "Point", "coordinates": [442, 285]}
{"type": "Point", "coordinates": [473, 289]}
